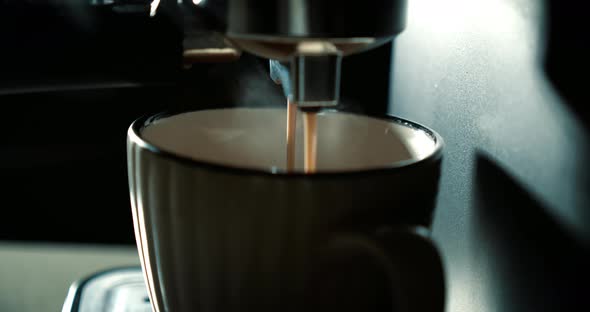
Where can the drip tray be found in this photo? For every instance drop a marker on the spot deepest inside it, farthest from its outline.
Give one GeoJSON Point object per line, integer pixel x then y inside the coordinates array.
{"type": "Point", "coordinates": [115, 290]}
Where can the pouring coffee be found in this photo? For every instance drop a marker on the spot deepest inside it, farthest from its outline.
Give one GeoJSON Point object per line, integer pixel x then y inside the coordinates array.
{"type": "Point", "coordinates": [229, 216]}
{"type": "Point", "coordinates": [309, 135]}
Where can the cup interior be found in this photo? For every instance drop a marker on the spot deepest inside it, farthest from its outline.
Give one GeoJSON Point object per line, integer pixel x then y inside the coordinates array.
{"type": "Point", "coordinates": [255, 138]}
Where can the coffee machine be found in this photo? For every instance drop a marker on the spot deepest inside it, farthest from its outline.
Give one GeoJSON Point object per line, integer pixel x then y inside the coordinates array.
{"type": "Point", "coordinates": [309, 37]}
{"type": "Point", "coordinates": [304, 43]}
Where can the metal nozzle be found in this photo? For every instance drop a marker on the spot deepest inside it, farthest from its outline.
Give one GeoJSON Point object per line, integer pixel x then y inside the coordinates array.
{"type": "Point", "coordinates": [315, 74]}
{"type": "Point", "coordinates": [313, 79]}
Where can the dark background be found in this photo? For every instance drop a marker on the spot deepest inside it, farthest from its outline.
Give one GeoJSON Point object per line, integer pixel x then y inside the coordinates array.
{"type": "Point", "coordinates": [503, 81]}
{"type": "Point", "coordinates": [74, 76]}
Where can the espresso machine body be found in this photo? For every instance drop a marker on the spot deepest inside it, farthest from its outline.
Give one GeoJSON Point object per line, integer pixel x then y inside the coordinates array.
{"type": "Point", "coordinates": [311, 37]}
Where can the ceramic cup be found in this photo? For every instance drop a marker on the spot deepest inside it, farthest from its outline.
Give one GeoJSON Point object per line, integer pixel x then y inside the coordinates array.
{"type": "Point", "coordinates": [222, 226]}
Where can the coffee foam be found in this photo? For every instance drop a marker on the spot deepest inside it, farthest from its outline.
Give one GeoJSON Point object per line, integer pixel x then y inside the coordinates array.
{"type": "Point", "coordinates": [255, 138]}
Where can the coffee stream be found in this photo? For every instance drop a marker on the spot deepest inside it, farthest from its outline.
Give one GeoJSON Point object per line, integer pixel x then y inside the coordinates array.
{"type": "Point", "coordinates": [291, 127]}
{"type": "Point", "coordinates": [309, 139]}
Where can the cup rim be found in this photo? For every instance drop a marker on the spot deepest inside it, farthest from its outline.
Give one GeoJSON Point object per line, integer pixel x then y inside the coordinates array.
{"type": "Point", "coordinates": [134, 136]}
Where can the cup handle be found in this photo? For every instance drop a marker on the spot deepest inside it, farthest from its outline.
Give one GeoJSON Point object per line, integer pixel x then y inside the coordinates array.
{"type": "Point", "coordinates": [413, 279]}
